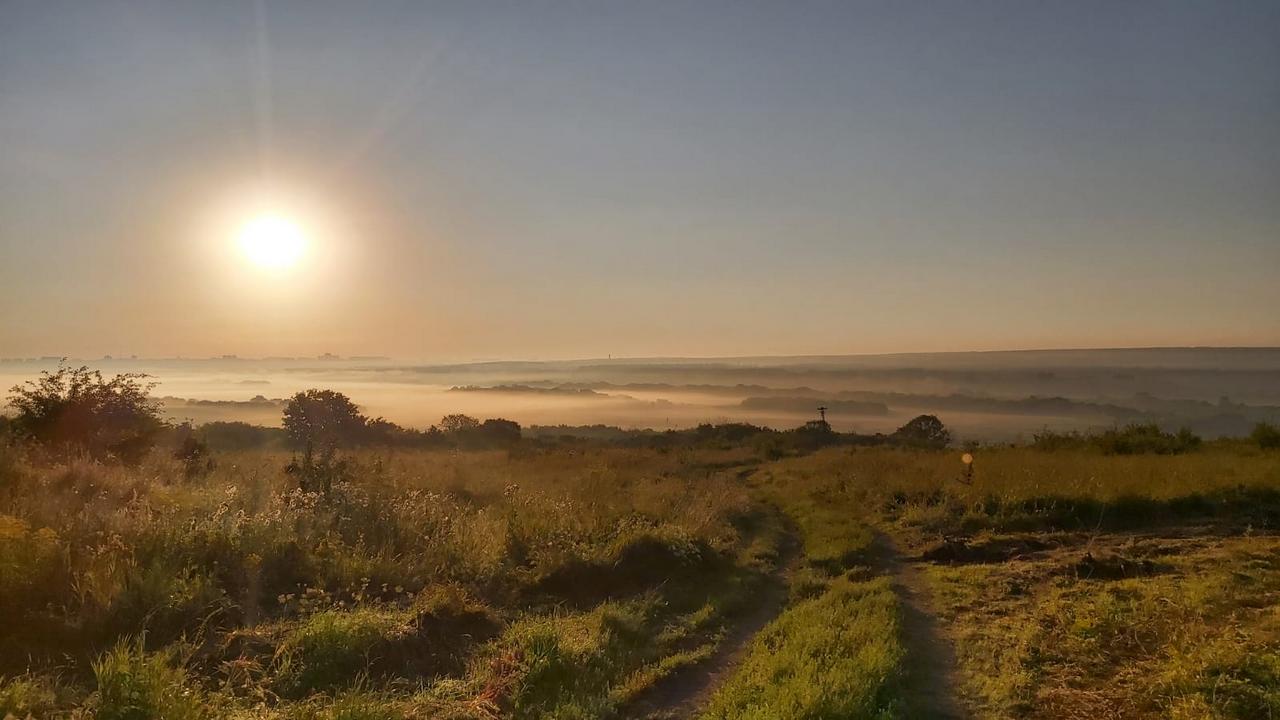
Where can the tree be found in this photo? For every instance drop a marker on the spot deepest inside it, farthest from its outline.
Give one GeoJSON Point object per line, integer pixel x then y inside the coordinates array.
{"type": "Point", "coordinates": [500, 433]}
{"type": "Point", "coordinates": [76, 409]}
{"type": "Point", "coordinates": [458, 423]}
{"type": "Point", "coordinates": [924, 431]}
{"type": "Point", "coordinates": [323, 418]}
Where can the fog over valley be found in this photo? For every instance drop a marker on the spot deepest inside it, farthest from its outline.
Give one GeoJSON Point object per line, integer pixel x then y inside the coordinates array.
{"type": "Point", "coordinates": [983, 396]}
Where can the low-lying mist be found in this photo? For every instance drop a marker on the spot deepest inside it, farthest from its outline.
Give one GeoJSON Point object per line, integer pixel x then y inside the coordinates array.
{"type": "Point", "coordinates": [983, 396]}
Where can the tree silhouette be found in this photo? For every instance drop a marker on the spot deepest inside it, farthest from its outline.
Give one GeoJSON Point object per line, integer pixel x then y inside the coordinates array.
{"type": "Point", "coordinates": [924, 431]}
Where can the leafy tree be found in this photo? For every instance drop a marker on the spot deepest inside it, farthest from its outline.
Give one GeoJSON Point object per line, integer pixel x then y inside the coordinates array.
{"type": "Point", "coordinates": [458, 423]}
{"type": "Point", "coordinates": [500, 432]}
{"type": "Point", "coordinates": [323, 418]}
{"type": "Point", "coordinates": [924, 431]}
{"type": "Point", "coordinates": [77, 410]}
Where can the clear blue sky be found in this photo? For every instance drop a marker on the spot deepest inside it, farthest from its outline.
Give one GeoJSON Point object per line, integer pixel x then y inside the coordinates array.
{"type": "Point", "coordinates": [542, 179]}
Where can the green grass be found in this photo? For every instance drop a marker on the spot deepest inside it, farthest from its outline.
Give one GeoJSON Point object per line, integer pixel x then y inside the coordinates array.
{"type": "Point", "coordinates": [28, 695]}
{"type": "Point", "coordinates": [1192, 635]}
{"type": "Point", "coordinates": [835, 651]}
{"type": "Point", "coordinates": [834, 656]}
{"type": "Point", "coordinates": [135, 685]}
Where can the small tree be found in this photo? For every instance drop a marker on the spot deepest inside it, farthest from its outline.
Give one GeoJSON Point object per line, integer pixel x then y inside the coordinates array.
{"type": "Point", "coordinates": [924, 431]}
{"type": "Point", "coordinates": [323, 419]}
{"type": "Point", "coordinates": [458, 423]}
{"type": "Point", "coordinates": [498, 432]}
{"type": "Point", "coordinates": [76, 409]}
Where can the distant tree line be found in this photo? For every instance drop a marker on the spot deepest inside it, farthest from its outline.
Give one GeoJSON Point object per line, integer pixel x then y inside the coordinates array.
{"type": "Point", "coordinates": [1133, 439]}
{"type": "Point", "coordinates": [75, 411]}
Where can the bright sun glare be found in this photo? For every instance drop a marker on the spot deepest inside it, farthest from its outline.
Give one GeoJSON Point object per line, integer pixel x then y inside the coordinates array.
{"type": "Point", "coordinates": [272, 241]}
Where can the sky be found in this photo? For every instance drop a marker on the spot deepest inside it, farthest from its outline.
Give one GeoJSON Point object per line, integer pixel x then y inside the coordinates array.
{"type": "Point", "coordinates": [481, 180]}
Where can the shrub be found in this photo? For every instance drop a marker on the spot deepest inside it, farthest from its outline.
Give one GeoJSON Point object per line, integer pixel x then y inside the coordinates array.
{"type": "Point", "coordinates": [75, 409]}
{"type": "Point", "coordinates": [1050, 441]}
{"type": "Point", "coordinates": [222, 435]}
{"type": "Point", "coordinates": [1140, 439]}
{"type": "Point", "coordinates": [1266, 435]}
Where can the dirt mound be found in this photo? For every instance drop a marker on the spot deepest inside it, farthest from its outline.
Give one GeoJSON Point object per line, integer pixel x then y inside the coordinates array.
{"type": "Point", "coordinates": [434, 642]}
{"type": "Point", "coordinates": [631, 566]}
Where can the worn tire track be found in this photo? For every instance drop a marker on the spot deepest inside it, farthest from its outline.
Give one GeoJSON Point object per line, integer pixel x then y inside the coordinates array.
{"type": "Point", "coordinates": [931, 676]}
{"type": "Point", "coordinates": [683, 693]}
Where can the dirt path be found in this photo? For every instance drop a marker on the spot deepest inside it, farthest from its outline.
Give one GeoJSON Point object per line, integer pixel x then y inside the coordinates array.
{"type": "Point", "coordinates": [683, 693]}
{"type": "Point", "coordinates": [931, 665]}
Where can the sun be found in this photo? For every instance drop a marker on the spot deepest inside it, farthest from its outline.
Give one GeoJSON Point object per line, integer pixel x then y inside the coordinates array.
{"type": "Point", "coordinates": [272, 241]}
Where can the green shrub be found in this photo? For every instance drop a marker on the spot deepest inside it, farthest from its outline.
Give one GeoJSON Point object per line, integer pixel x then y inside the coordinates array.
{"type": "Point", "coordinates": [1266, 435]}
{"type": "Point", "coordinates": [1138, 439]}
{"type": "Point", "coordinates": [1134, 439]}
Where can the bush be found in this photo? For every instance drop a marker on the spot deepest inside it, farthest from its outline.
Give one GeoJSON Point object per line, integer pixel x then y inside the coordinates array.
{"type": "Point", "coordinates": [1266, 435]}
{"type": "Point", "coordinates": [237, 435]}
{"type": "Point", "coordinates": [1141, 439]}
{"type": "Point", "coordinates": [1134, 439]}
{"type": "Point", "coordinates": [75, 409]}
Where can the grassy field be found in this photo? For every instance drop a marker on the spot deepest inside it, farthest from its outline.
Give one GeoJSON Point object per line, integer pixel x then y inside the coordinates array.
{"type": "Point", "coordinates": [472, 584]}
{"type": "Point", "coordinates": [574, 583]}
{"type": "Point", "coordinates": [1074, 584]}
